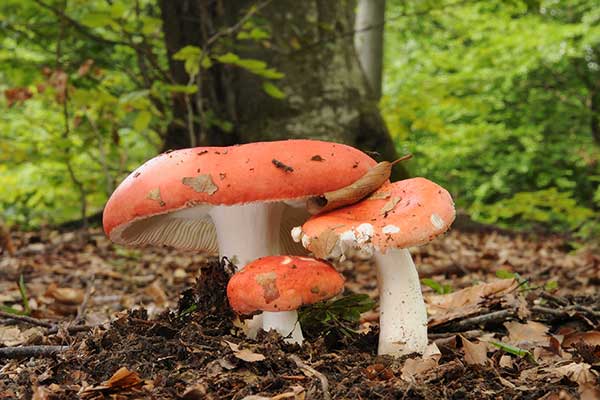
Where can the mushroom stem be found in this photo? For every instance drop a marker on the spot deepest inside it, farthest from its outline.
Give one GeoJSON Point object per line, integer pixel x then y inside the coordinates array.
{"type": "Point", "coordinates": [248, 231]}
{"type": "Point", "coordinates": [402, 315]}
{"type": "Point", "coordinates": [284, 322]}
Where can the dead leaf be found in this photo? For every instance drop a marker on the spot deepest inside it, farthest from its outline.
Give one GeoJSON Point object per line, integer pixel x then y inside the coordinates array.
{"type": "Point", "coordinates": [65, 295]}
{"type": "Point", "coordinates": [372, 180]}
{"type": "Point", "coordinates": [389, 206]}
{"type": "Point", "coordinates": [297, 393]}
{"type": "Point", "coordinates": [475, 353]}
{"type": "Point", "coordinates": [13, 336]}
{"type": "Point", "coordinates": [415, 367]}
{"type": "Point", "coordinates": [123, 378]}
{"type": "Point", "coordinates": [323, 245]}
{"type": "Point", "coordinates": [577, 372]}
{"type": "Point", "coordinates": [527, 335]}
{"type": "Point", "coordinates": [591, 338]}
{"type": "Point", "coordinates": [85, 67]}
{"type": "Point", "coordinates": [462, 303]}
{"type": "Point", "coordinates": [244, 354]}
{"type": "Point", "coordinates": [201, 183]}
{"type": "Point", "coordinates": [155, 291]}
{"type": "Point", "coordinates": [248, 355]}
{"type": "Point", "coordinates": [120, 380]}
{"type": "Point", "coordinates": [506, 361]}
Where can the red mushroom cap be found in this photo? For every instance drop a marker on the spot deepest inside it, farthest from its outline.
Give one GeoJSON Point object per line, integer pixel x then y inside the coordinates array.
{"type": "Point", "coordinates": [282, 283]}
{"type": "Point", "coordinates": [402, 214]}
{"type": "Point", "coordinates": [254, 172]}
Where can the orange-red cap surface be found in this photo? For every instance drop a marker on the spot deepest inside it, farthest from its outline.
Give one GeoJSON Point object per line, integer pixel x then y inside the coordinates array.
{"type": "Point", "coordinates": [402, 214]}
{"type": "Point", "coordinates": [264, 171]}
{"type": "Point", "coordinates": [282, 283]}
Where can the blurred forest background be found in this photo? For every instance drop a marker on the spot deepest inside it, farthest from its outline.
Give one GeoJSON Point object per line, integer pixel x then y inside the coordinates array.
{"type": "Point", "coordinates": [499, 100]}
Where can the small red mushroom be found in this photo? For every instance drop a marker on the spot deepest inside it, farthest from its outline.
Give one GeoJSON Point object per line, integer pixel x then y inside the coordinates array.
{"type": "Point", "coordinates": [281, 285]}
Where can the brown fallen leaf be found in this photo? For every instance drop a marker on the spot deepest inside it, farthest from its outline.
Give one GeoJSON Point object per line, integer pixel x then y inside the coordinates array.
{"type": "Point", "coordinates": [527, 335]}
{"type": "Point", "coordinates": [65, 295]}
{"type": "Point", "coordinates": [244, 354]}
{"type": "Point", "coordinates": [413, 368]}
{"type": "Point", "coordinates": [372, 180]}
{"type": "Point", "coordinates": [121, 380]}
{"type": "Point", "coordinates": [13, 336]}
{"type": "Point", "coordinates": [591, 338]}
{"type": "Point", "coordinates": [475, 353]}
{"type": "Point", "coordinates": [155, 291]}
{"type": "Point", "coordinates": [465, 302]}
{"type": "Point", "coordinates": [580, 373]}
{"type": "Point", "coordinates": [323, 245]}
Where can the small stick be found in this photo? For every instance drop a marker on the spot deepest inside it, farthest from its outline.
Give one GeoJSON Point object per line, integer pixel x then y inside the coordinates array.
{"type": "Point", "coordinates": [322, 378]}
{"type": "Point", "coordinates": [72, 329]}
{"type": "Point", "coordinates": [403, 158]}
{"type": "Point", "coordinates": [24, 318]}
{"type": "Point", "coordinates": [30, 351]}
{"type": "Point", "coordinates": [467, 323]}
{"type": "Point", "coordinates": [89, 290]}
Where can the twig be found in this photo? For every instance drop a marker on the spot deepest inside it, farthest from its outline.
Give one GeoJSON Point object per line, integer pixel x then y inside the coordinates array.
{"type": "Point", "coordinates": [89, 290]}
{"type": "Point", "coordinates": [305, 368]}
{"type": "Point", "coordinates": [71, 329]}
{"type": "Point", "coordinates": [29, 320]}
{"type": "Point", "coordinates": [31, 351]}
{"type": "Point", "coordinates": [558, 300]}
{"type": "Point", "coordinates": [467, 323]}
{"type": "Point", "coordinates": [566, 311]}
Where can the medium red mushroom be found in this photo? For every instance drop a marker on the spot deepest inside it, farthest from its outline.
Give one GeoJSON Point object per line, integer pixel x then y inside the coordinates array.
{"type": "Point", "coordinates": [397, 216]}
{"type": "Point", "coordinates": [281, 285]}
{"type": "Point", "coordinates": [247, 196]}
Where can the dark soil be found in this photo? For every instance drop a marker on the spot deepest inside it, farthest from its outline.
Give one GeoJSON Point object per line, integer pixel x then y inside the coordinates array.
{"type": "Point", "coordinates": [197, 351]}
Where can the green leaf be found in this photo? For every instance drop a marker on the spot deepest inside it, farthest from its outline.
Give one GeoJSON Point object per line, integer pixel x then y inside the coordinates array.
{"type": "Point", "coordinates": [24, 297]}
{"type": "Point", "coordinates": [142, 120]}
{"type": "Point", "coordinates": [516, 351]}
{"type": "Point", "coordinates": [187, 89]}
{"type": "Point", "coordinates": [504, 274]}
{"type": "Point", "coordinates": [227, 58]}
{"type": "Point", "coordinates": [273, 90]}
{"type": "Point", "coordinates": [190, 55]}
{"type": "Point", "coordinates": [436, 286]}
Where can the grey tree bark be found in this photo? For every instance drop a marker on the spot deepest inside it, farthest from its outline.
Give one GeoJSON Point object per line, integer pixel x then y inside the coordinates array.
{"type": "Point", "coordinates": [327, 96]}
{"type": "Point", "coordinates": [368, 40]}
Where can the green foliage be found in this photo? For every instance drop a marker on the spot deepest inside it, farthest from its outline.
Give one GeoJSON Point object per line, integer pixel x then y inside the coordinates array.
{"type": "Point", "coordinates": [339, 317]}
{"type": "Point", "coordinates": [515, 351]}
{"type": "Point", "coordinates": [436, 286]}
{"type": "Point", "coordinates": [86, 105]}
{"type": "Point", "coordinates": [494, 99]}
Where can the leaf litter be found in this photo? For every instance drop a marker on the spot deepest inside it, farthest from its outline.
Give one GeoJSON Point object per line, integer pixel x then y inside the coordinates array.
{"type": "Point", "coordinates": [157, 324]}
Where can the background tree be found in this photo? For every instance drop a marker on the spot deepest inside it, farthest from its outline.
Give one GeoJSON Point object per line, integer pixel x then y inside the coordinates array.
{"type": "Point", "coordinates": [269, 70]}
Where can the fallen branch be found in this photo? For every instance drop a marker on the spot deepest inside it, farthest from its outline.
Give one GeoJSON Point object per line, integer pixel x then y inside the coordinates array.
{"type": "Point", "coordinates": [305, 368]}
{"type": "Point", "coordinates": [24, 318]}
{"type": "Point", "coordinates": [568, 311]}
{"type": "Point", "coordinates": [476, 321]}
{"type": "Point", "coordinates": [30, 351]}
{"type": "Point", "coordinates": [52, 328]}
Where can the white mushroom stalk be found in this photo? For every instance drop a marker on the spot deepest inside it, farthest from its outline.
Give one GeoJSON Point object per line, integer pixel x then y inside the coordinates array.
{"type": "Point", "coordinates": [247, 232]}
{"type": "Point", "coordinates": [402, 312]}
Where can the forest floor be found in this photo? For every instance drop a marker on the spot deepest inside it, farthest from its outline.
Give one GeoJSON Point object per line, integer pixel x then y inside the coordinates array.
{"type": "Point", "coordinates": [521, 321]}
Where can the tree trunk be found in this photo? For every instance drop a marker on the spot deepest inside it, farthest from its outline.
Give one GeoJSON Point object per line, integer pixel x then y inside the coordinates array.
{"type": "Point", "coordinates": [327, 96]}
{"type": "Point", "coordinates": [368, 41]}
